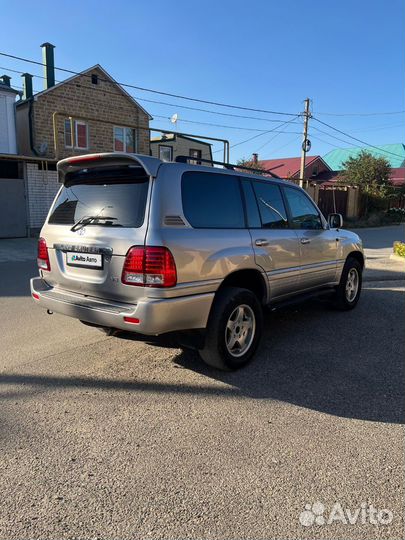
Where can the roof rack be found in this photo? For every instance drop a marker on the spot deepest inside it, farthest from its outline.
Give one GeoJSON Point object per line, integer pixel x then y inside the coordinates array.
{"type": "Point", "coordinates": [230, 166]}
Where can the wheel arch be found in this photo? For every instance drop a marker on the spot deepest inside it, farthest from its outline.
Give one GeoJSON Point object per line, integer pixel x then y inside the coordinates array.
{"type": "Point", "coordinates": [251, 279]}
{"type": "Point", "coordinates": [358, 256]}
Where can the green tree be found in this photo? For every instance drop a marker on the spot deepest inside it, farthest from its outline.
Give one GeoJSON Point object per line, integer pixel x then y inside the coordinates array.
{"type": "Point", "coordinates": [371, 174]}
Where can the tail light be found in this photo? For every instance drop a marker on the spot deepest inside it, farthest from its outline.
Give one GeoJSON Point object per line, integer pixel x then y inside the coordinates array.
{"type": "Point", "coordinates": [149, 267]}
{"type": "Point", "coordinates": [43, 256]}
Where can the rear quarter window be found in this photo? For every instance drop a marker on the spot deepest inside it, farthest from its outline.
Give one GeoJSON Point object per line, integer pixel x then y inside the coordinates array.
{"type": "Point", "coordinates": [212, 200]}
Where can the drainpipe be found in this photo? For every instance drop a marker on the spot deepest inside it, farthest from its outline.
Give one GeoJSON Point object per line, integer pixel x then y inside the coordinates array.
{"type": "Point", "coordinates": [29, 96]}
{"type": "Point", "coordinates": [31, 128]}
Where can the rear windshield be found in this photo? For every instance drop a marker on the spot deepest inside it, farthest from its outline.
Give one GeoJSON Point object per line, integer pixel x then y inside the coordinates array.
{"type": "Point", "coordinates": [119, 194]}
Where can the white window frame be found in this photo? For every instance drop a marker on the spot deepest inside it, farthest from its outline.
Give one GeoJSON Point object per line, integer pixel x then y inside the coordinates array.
{"type": "Point", "coordinates": [166, 146]}
{"type": "Point", "coordinates": [67, 120]}
{"type": "Point", "coordinates": [75, 124]}
{"type": "Point", "coordinates": [125, 128]}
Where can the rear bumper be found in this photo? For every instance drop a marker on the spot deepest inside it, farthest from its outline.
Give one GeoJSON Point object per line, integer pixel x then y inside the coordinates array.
{"type": "Point", "coordinates": [156, 316]}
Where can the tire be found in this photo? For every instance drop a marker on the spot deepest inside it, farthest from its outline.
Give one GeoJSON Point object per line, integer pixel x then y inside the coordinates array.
{"type": "Point", "coordinates": [346, 297]}
{"type": "Point", "coordinates": [236, 313]}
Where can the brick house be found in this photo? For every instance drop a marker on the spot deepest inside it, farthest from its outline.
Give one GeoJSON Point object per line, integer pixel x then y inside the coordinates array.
{"type": "Point", "coordinates": [168, 147]}
{"type": "Point", "coordinates": [88, 112]}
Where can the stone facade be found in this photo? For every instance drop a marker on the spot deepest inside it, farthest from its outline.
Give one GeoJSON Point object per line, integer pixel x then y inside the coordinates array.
{"type": "Point", "coordinates": [92, 97]}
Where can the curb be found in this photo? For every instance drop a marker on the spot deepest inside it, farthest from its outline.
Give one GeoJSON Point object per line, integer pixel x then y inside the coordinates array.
{"type": "Point", "coordinates": [395, 257]}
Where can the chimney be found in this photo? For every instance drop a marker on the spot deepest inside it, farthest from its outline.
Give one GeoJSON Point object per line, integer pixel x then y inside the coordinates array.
{"type": "Point", "coordinates": [49, 64]}
{"type": "Point", "coordinates": [6, 80]}
{"type": "Point", "coordinates": [255, 158]}
{"type": "Point", "coordinates": [27, 85]}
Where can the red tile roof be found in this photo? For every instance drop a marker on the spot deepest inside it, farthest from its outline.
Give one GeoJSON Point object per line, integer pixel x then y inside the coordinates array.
{"type": "Point", "coordinates": [285, 167]}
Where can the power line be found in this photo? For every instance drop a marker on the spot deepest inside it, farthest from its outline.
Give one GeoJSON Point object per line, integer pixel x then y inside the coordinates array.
{"type": "Point", "coordinates": [354, 138]}
{"type": "Point", "coordinates": [143, 89]}
{"type": "Point", "coordinates": [269, 141]}
{"type": "Point", "coordinates": [362, 114]}
{"type": "Point", "coordinates": [259, 135]}
{"type": "Point", "coordinates": [218, 125]}
{"type": "Point", "coordinates": [177, 106]}
{"type": "Point", "coordinates": [239, 128]}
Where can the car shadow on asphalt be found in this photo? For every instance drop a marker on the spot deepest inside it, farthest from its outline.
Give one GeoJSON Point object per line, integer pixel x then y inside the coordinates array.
{"type": "Point", "coordinates": [15, 278]}
{"type": "Point", "coordinates": [345, 364]}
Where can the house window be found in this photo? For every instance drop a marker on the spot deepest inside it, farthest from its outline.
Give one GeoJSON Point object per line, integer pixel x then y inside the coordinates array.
{"type": "Point", "coordinates": [125, 139]}
{"type": "Point", "coordinates": [195, 154]}
{"type": "Point", "coordinates": [165, 153]}
{"type": "Point", "coordinates": [94, 78]}
{"type": "Point", "coordinates": [81, 134]}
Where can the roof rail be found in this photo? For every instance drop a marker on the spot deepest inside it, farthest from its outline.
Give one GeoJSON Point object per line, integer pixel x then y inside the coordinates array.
{"type": "Point", "coordinates": [231, 166]}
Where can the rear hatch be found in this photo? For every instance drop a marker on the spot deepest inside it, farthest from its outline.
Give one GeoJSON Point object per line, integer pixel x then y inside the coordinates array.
{"type": "Point", "coordinates": [100, 212]}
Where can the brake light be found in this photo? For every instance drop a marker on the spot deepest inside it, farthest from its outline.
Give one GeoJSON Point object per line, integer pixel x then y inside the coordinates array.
{"type": "Point", "coordinates": [149, 267]}
{"type": "Point", "coordinates": [43, 255]}
{"type": "Point", "coordinates": [90, 157]}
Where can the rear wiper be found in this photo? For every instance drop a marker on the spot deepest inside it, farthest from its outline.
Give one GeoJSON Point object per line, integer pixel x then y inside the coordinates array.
{"type": "Point", "coordinates": [89, 219]}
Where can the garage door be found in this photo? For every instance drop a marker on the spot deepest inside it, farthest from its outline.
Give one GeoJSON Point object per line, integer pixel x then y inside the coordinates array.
{"type": "Point", "coordinates": [13, 214]}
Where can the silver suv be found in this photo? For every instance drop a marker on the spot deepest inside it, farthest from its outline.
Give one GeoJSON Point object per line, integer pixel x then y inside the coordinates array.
{"type": "Point", "coordinates": [132, 243]}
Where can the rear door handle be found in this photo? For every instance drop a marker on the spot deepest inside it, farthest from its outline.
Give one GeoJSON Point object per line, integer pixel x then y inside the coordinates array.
{"type": "Point", "coordinates": [305, 240]}
{"type": "Point", "coordinates": [261, 242]}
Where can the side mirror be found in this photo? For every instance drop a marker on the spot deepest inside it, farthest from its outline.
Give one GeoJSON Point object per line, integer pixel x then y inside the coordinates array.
{"type": "Point", "coordinates": [335, 221]}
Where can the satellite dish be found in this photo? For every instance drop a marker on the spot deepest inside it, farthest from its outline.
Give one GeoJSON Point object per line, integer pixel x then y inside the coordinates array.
{"type": "Point", "coordinates": [174, 118]}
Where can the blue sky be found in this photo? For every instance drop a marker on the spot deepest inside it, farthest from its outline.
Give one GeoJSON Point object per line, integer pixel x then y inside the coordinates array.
{"type": "Point", "coordinates": [347, 56]}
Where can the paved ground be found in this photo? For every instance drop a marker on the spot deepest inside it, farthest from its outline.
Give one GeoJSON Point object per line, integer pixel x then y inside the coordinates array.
{"type": "Point", "coordinates": [111, 438]}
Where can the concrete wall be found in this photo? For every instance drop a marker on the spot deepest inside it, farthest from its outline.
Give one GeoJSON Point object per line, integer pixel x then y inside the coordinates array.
{"type": "Point", "coordinates": [80, 98]}
{"type": "Point", "coordinates": [8, 140]}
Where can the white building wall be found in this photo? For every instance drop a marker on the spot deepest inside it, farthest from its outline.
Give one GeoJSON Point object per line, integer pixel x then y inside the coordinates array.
{"type": "Point", "coordinates": [42, 187]}
{"type": "Point", "coordinates": [8, 138]}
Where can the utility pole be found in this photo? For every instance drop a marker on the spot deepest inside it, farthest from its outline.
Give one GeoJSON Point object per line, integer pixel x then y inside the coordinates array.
{"type": "Point", "coordinates": [306, 144]}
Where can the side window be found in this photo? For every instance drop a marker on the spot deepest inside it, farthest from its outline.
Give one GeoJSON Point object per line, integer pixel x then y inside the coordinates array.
{"type": "Point", "coordinates": [195, 154]}
{"type": "Point", "coordinates": [271, 205]}
{"type": "Point", "coordinates": [252, 212]}
{"type": "Point", "coordinates": [212, 200]}
{"type": "Point", "coordinates": [165, 153]}
{"type": "Point", "coordinates": [303, 212]}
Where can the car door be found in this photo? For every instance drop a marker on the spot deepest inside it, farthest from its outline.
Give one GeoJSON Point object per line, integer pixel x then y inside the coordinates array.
{"type": "Point", "coordinates": [318, 244]}
{"type": "Point", "coordinates": [276, 246]}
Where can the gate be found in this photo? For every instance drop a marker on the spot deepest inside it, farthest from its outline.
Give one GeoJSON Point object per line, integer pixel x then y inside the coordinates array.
{"type": "Point", "coordinates": [332, 201]}
{"type": "Point", "coordinates": [13, 213]}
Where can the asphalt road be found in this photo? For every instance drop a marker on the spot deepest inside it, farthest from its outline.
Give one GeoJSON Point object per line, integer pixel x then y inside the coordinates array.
{"type": "Point", "coordinates": [111, 438]}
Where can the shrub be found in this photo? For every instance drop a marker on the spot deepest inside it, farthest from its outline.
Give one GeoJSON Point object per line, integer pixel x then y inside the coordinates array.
{"type": "Point", "coordinates": [395, 215]}
{"type": "Point", "coordinates": [399, 249]}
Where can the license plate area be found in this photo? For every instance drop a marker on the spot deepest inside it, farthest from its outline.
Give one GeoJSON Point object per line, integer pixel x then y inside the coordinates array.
{"type": "Point", "coordinates": [85, 260]}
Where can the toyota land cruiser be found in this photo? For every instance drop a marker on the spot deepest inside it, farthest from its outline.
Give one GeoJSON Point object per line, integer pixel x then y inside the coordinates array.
{"type": "Point", "coordinates": [132, 243]}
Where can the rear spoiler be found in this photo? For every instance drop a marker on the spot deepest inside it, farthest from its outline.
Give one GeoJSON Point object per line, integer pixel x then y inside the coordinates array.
{"type": "Point", "coordinates": [71, 164]}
